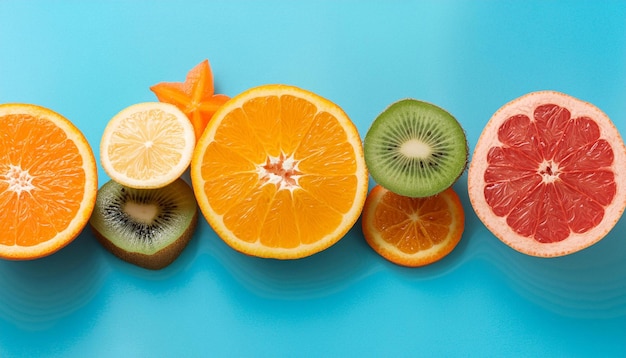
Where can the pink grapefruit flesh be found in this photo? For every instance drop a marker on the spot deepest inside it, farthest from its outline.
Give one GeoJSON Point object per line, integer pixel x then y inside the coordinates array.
{"type": "Point", "coordinates": [548, 174]}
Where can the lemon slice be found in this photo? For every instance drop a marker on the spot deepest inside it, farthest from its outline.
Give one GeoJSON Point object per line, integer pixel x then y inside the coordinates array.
{"type": "Point", "coordinates": [147, 145]}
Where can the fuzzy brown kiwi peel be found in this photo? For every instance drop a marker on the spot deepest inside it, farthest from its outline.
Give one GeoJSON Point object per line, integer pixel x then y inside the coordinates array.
{"type": "Point", "coordinates": [146, 227]}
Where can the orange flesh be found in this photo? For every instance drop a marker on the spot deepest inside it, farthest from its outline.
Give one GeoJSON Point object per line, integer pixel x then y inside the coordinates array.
{"type": "Point", "coordinates": [284, 164]}
{"type": "Point", "coordinates": [552, 175]}
{"type": "Point", "coordinates": [41, 177]}
{"type": "Point", "coordinates": [412, 224]}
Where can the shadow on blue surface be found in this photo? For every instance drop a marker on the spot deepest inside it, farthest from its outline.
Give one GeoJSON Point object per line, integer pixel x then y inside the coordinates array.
{"type": "Point", "coordinates": [43, 297]}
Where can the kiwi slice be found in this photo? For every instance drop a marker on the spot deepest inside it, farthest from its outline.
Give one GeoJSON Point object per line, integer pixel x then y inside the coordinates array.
{"type": "Point", "coordinates": [146, 227]}
{"type": "Point", "coordinates": [416, 149]}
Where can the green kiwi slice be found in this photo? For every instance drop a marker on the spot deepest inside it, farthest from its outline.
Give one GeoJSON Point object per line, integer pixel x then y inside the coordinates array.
{"type": "Point", "coordinates": [146, 227]}
{"type": "Point", "coordinates": [416, 149]}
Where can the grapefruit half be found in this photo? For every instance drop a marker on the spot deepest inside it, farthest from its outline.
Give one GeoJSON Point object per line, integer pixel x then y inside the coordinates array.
{"type": "Point", "coordinates": [548, 174]}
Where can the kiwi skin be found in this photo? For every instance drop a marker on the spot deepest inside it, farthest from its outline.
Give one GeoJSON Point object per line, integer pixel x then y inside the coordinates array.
{"type": "Point", "coordinates": [153, 260]}
{"type": "Point", "coordinates": [158, 260]}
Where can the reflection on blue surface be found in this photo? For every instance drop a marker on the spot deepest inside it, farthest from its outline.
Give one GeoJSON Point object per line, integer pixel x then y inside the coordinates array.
{"type": "Point", "coordinates": [469, 57]}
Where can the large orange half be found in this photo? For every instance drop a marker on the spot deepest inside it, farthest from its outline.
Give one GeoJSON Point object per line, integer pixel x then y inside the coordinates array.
{"type": "Point", "coordinates": [279, 172]}
{"type": "Point", "coordinates": [548, 174]}
{"type": "Point", "coordinates": [48, 181]}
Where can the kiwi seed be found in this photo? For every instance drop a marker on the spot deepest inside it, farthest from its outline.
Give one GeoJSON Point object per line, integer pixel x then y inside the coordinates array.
{"type": "Point", "coordinates": [416, 149]}
{"type": "Point", "coordinates": [146, 227]}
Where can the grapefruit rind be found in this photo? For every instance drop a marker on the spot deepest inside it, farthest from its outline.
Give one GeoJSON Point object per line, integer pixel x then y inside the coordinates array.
{"type": "Point", "coordinates": [497, 225]}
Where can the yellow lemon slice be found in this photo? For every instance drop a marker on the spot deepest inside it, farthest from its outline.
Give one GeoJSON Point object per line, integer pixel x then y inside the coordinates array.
{"type": "Point", "coordinates": [147, 145]}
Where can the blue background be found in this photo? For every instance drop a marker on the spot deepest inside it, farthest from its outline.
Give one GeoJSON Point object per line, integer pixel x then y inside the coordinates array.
{"type": "Point", "coordinates": [89, 60]}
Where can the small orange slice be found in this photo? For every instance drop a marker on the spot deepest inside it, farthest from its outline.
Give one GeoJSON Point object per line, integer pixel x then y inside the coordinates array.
{"type": "Point", "coordinates": [279, 172]}
{"type": "Point", "coordinates": [48, 181]}
{"type": "Point", "coordinates": [412, 231]}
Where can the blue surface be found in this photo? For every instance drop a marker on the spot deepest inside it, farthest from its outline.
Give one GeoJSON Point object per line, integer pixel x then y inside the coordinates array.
{"type": "Point", "coordinates": [88, 60]}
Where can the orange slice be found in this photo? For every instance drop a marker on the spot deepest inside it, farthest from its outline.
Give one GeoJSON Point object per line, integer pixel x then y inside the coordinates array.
{"type": "Point", "coordinates": [48, 181]}
{"type": "Point", "coordinates": [547, 175]}
{"type": "Point", "coordinates": [412, 231]}
{"type": "Point", "coordinates": [147, 145]}
{"type": "Point", "coordinates": [279, 172]}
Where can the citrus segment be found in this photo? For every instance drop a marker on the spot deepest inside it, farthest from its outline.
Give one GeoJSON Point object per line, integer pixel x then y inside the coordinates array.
{"type": "Point", "coordinates": [147, 145]}
{"type": "Point", "coordinates": [238, 136]}
{"type": "Point", "coordinates": [337, 194]}
{"type": "Point", "coordinates": [279, 172]}
{"type": "Point", "coordinates": [48, 181]}
{"type": "Point", "coordinates": [545, 175]}
{"type": "Point", "coordinates": [261, 114]}
{"type": "Point", "coordinates": [412, 231]}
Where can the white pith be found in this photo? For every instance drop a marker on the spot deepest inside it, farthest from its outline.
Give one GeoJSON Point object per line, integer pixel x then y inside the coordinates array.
{"type": "Point", "coordinates": [549, 171]}
{"type": "Point", "coordinates": [281, 171]}
{"type": "Point", "coordinates": [18, 179]}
